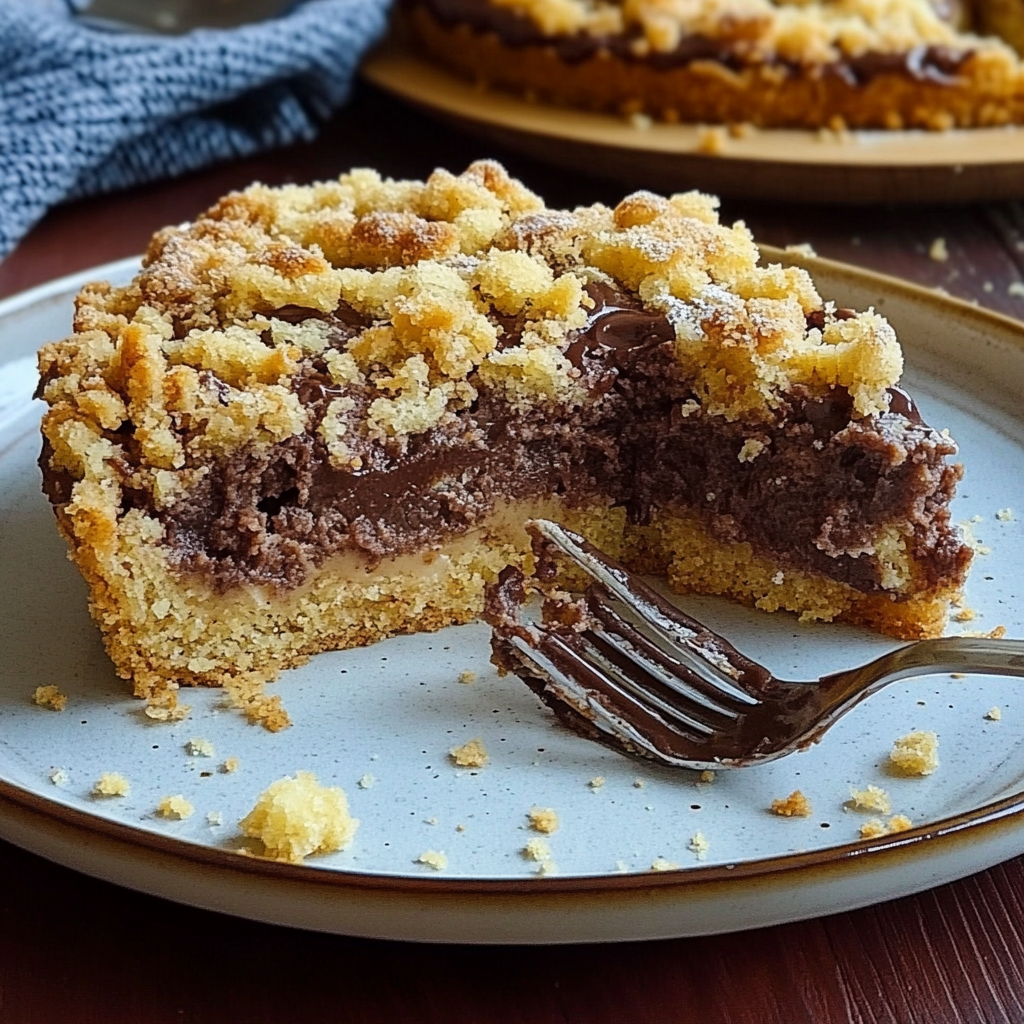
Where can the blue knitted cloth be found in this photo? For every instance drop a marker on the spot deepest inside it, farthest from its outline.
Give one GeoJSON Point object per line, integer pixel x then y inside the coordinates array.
{"type": "Point", "coordinates": [84, 111]}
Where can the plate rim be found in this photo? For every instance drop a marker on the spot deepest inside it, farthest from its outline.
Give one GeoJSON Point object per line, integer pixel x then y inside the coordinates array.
{"type": "Point", "coordinates": [391, 65]}
{"type": "Point", "coordinates": [934, 838]}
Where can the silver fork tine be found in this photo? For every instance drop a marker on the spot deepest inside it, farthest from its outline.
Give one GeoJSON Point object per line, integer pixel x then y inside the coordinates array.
{"type": "Point", "coordinates": [667, 623]}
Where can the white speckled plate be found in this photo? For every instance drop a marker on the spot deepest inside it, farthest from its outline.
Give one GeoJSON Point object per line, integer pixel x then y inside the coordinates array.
{"type": "Point", "coordinates": [389, 714]}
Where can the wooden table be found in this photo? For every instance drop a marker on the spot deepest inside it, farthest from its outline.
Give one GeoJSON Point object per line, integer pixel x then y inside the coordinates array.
{"type": "Point", "coordinates": [77, 950]}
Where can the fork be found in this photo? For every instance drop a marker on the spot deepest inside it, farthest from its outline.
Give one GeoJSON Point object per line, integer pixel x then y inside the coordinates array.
{"type": "Point", "coordinates": [625, 667]}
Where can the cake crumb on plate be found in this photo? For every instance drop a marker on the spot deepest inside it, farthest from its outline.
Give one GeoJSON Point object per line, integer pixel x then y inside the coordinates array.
{"type": "Point", "coordinates": [59, 777]}
{"type": "Point", "coordinates": [199, 747]}
{"type": "Point", "coordinates": [467, 676]}
{"type": "Point", "coordinates": [917, 753]}
{"type": "Point", "coordinates": [229, 766]}
{"type": "Point", "coordinates": [873, 828]}
{"type": "Point", "coordinates": [1005, 515]}
{"type": "Point", "coordinates": [49, 697]}
{"type": "Point", "coordinates": [111, 784]}
{"type": "Point", "coordinates": [435, 859]}
{"type": "Point", "coordinates": [366, 781]}
{"type": "Point", "coordinates": [699, 845]}
{"type": "Point", "coordinates": [537, 849]}
{"type": "Point", "coordinates": [661, 864]}
{"type": "Point", "coordinates": [707, 775]}
{"type": "Point", "coordinates": [543, 819]}
{"type": "Point", "coordinates": [994, 714]}
{"type": "Point", "coordinates": [215, 818]}
{"type": "Point", "coordinates": [596, 782]}
{"type": "Point", "coordinates": [175, 807]}
{"type": "Point", "coordinates": [870, 798]}
{"type": "Point", "coordinates": [470, 755]}
{"type": "Point", "coordinates": [296, 817]}
{"type": "Point", "coordinates": [796, 805]}
{"type": "Point", "coordinates": [938, 250]}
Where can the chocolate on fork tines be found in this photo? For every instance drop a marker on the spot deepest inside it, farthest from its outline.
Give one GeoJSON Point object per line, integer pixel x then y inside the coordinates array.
{"type": "Point", "coordinates": [621, 665]}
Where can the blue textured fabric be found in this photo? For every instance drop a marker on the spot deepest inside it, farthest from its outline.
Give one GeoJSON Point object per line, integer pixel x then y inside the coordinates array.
{"type": "Point", "coordinates": [84, 111]}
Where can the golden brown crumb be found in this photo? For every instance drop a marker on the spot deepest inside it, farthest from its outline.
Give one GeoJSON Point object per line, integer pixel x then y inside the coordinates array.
{"type": "Point", "coordinates": [470, 755]}
{"type": "Point", "coordinates": [993, 634]}
{"type": "Point", "coordinates": [435, 859]}
{"type": "Point", "coordinates": [871, 798]}
{"type": "Point", "coordinates": [965, 615]}
{"type": "Point", "coordinates": [661, 864]}
{"type": "Point", "coordinates": [50, 697]}
{"type": "Point", "coordinates": [707, 775]}
{"type": "Point", "coordinates": [537, 849]}
{"type": "Point", "coordinates": [543, 819]}
{"type": "Point", "coordinates": [796, 805]}
{"type": "Point", "coordinates": [296, 817]}
{"type": "Point", "coordinates": [175, 807]}
{"type": "Point", "coordinates": [249, 695]}
{"type": "Point", "coordinates": [467, 676]}
{"type": "Point", "coordinates": [873, 828]}
{"type": "Point", "coordinates": [699, 845]}
{"type": "Point", "coordinates": [712, 140]}
{"type": "Point", "coordinates": [994, 714]}
{"type": "Point", "coordinates": [230, 766]}
{"type": "Point", "coordinates": [199, 748]}
{"type": "Point", "coordinates": [917, 753]}
{"type": "Point", "coordinates": [899, 823]}
{"type": "Point", "coordinates": [938, 251]}
{"type": "Point", "coordinates": [162, 706]}
{"type": "Point", "coordinates": [111, 784]}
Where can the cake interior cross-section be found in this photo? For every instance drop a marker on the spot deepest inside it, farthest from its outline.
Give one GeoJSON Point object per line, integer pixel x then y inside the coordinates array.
{"type": "Point", "coordinates": [320, 415]}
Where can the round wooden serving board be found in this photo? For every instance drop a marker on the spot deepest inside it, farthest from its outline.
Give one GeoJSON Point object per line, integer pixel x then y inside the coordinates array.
{"type": "Point", "coordinates": [795, 165]}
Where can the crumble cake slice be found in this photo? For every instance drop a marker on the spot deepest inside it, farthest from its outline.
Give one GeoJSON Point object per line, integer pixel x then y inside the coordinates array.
{"type": "Point", "coordinates": [822, 63]}
{"type": "Point", "coordinates": [320, 416]}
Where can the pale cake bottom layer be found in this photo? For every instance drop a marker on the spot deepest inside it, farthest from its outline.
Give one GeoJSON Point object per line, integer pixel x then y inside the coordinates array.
{"type": "Point", "coordinates": [163, 629]}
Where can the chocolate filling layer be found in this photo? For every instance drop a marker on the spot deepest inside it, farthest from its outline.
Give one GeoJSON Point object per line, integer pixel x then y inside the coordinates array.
{"type": "Point", "coordinates": [936, 64]}
{"type": "Point", "coordinates": [813, 498]}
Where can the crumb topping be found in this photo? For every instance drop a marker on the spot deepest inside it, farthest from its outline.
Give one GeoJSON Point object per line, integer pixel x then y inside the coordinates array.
{"type": "Point", "coordinates": [111, 784]}
{"type": "Point", "coordinates": [871, 798]}
{"type": "Point", "coordinates": [543, 819]}
{"type": "Point", "coordinates": [917, 753]}
{"type": "Point", "coordinates": [472, 754]}
{"type": "Point", "coordinates": [49, 697]}
{"type": "Point", "coordinates": [297, 817]}
{"type": "Point", "coordinates": [796, 805]}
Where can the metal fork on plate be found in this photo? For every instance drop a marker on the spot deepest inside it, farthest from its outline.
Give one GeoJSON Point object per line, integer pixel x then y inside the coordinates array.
{"type": "Point", "coordinates": [640, 675]}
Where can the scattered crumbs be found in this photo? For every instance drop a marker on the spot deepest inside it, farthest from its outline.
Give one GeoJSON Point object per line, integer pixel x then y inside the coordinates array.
{"type": "Point", "coordinates": [796, 805]}
{"type": "Point", "coordinates": [987, 286]}
{"type": "Point", "coordinates": [467, 676]}
{"type": "Point", "coordinates": [366, 781]}
{"type": "Point", "coordinates": [295, 817]}
{"type": "Point", "coordinates": [50, 697]}
{"type": "Point", "coordinates": [215, 818]}
{"type": "Point", "coordinates": [779, 578]}
{"type": "Point", "coordinates": [58, 777]}
{"type": "Point", "coordinates": [249, 696]}
{"type": "Point", "coordinates": [430, 821]}
{"type": "Point", "coordinates": [751, 449]}
{"type": "Point", "coordinates": [641, 122]}
{"type": "Point", "coordinates": [229, 766]}
{"type": "Point", "coordinates": [871, 798]}
{"type": "Point", "coordinates": [965, 615]}
{"type": "Point", "coordinates": [917, 753]}
{"type": "Point", "coordinates": [638, 783]}
{"type": "Point", "coordinates": [621, 866]}
{"type": "Point", "coordinates": [741, 130]}
{"type": "Point", "coordinates": [111, 784]}
{"type": "Point", "coordinates": [699, 845]}
{"type": "Point", "coordinates": [1016, 288]}
{"type": "Point", "coordinates": [1005, 515]}
{"type": "Point", "coordinates": [537, 849]}
{"type": "Point", "coordinates": [802, 249]}
{"type": "Point", "coordinates": [970, 540]}
{"type": "Point", "coordinates": [470, 755]}
{"type": "Point", "coordinates": [175, 807]}
{"type": "Point", "coordinates": [435, 859]}
{"type": "Point", "coordinates": [199, 748]}
{"type": "Point", "coordinates": [660, 864]}
{"type": "Point", "coordinates": [993, 634]}
{"type": "Point", "coordinates": [711, 139]}
{"type": "Point", "coordinates": [938, 251]}
{"type": "Point", "coordinates": [596, 782]}
{"type": "Point", "coordinates": [547, 867]}
{"type": "Point", "coordinates": [957, 675]}
{"type": "Point", "coordinates": [543, 819]}
{"type": "Point", "coordinates": [872, 829]}
{"type": "Point", "coordinates": [460, 827]}
{"type": "Point", "coordinates": [707, 775]}
{"type": "Point", "coordinates": [899, 823]}
{"type": "Point", "coordinates": [994, 714]}
{"type": "Point", "coordinates": [163, 706]}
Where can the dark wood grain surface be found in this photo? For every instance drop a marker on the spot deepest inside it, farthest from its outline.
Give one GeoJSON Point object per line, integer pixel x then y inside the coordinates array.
{"type": "Point", "coordinates": [77, 950]}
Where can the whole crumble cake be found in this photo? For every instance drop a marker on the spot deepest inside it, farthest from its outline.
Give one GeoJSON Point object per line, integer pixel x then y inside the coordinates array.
{"type": "Point", "coordinates": [320, 416]}
{"type": "Point", "coordinates": [821, 63]}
